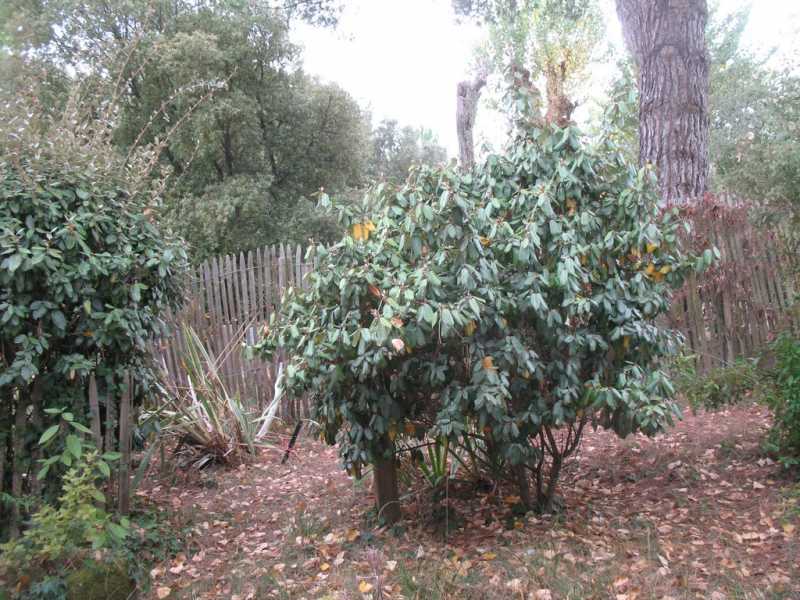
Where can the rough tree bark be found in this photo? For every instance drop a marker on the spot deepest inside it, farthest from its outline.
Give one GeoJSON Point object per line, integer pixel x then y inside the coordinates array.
{"type": "Point", "coordinates": [559, 106]}
{"type": "Point", "coordinates": [667, 40]}
{"type": "Point", "coordinates": [467, 96]}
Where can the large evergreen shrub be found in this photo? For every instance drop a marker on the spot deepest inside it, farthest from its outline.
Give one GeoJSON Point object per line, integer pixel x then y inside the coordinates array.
{"type": "Point", "coordinates": [508, 307]}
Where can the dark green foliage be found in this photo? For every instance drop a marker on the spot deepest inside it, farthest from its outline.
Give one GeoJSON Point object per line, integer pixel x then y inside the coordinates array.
{"type": "Point", "coordinates": [502, 304]}
{"type": "Point", "coordinates": [784, 400]}
{"type": "Point", "coordinates": [85, 278]}
{"type": "Point", "coordinates": [721, 387]}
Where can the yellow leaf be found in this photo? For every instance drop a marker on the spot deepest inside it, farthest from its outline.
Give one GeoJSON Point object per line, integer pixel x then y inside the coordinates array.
{"type": "Point", "coordinates": [626, 342]}
{"type": "Point", "coordinates": [665, 269]}
{"type": "Point", "coordinates": [658, 277]}
{"type": "Point", "coordinates": [489, 556]}
{"type": "Point", "coordinates": [352, 535]}
{"type": "Point", "coordinates": [163, 592]}
{"type": "Point", "coordinates": [651, 268]}
{"type": "Point", "coordinates": [470, 328]}
{"type": "Point", "coordinates": [571, 206]}
{"type": "Point", "coordinates": [511, 500]}
{"type": "Point", "coordinates": [358, 232]}
{"type": "Point", "coordinates": [488, 363]}
{"type": "Point", "coordinates": [392, 432]}
{"type": "Point", "coordinates": [324, 567]}
{"type": "Point", "coordinates": [788, 529]}
{"type": "Point", "coordinates": [485, 241]}
{"type": "Point", "coordinates": [584, 259]}
{"type": "Point", "coordinates": [364, 587]}
{"type": "Point", "coordinates": [369, 226]}
{"type": "Point", "coordinates": [651, 248]}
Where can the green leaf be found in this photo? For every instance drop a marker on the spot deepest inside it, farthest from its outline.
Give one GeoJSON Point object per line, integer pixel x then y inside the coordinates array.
{"type": "Point", "coordinates": [104, 468]}
{"type": "Point", "coordinates": [111, 456]}
{"type": "Point", "coordinates": [13, 262]}
{"type": "Point", "coordinates": [59, 320]}
{"type": "Point", "coordinates": [42, 472]}
{"type": "Point", "coordinates": [117, 531]}
{"type": "Point", "coordinates": [48, 434]}
{"type": "Point", "coordinates": [74, 445]}
{"type": "Point", "coordinates": [80, 427]}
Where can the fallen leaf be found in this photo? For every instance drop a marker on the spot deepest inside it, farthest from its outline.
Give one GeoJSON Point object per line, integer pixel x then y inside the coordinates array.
{"type": "Point", "coordinates": [324, 567]}
{"type": "Point", "coordinates": [364, 587]}
{"type": "Point", "coordinates": [163, 592]}
{"type": "Point", "coordinates": [515, 585]}
{"type": "Point", "coordinates": [620, 583]}
{"type": "Point", "coordinates": [543, 594]}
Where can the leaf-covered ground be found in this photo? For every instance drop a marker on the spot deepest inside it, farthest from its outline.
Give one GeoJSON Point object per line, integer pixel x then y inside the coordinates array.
{"type": "Point", "coordinates": [697, 513]}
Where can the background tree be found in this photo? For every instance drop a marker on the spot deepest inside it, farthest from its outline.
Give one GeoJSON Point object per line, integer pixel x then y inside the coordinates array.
{"type": "Point", "coordinates": [396, 149]}
{"type": "Point", "coordinates": [754, 113]}
{"type": "Point", "coordinates": [468, 94]}
{"type": "Point", "coordinates": [668, 43]}
{"type": "Point", "coordinates": [249, 137]}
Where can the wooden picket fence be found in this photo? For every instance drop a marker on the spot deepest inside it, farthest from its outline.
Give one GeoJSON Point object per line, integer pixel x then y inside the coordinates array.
{"type": "Point", "coordinates": [729, 312]}
{"type": "Point", "coordinates": [737, 307]}
{"type": "Point", "coordinates": [230, 299]}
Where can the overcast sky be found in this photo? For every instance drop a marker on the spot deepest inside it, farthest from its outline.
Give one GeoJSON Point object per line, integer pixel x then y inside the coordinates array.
{"type": "Point", "coordinates": [402, 59]}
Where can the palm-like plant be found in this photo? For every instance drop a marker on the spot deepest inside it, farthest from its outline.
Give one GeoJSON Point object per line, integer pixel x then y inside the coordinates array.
{"type": "Point", "coordinates": [206, 416]}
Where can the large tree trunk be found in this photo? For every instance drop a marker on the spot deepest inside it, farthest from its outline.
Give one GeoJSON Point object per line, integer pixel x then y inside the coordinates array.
{"type": "Point", "coordinates": [467, 97]}
{"type": "Point", "coordinates": [667, 40]}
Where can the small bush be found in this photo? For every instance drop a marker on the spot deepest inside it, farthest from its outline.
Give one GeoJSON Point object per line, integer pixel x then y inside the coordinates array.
{"type": "Point", "coordinates": [784, 400]}
{"type": "Point", "coordinates": [64, 535]}
{"type": "Point", "coordinates": [212, 423]}
{"type": "Point", "coordinates": [724, 386]}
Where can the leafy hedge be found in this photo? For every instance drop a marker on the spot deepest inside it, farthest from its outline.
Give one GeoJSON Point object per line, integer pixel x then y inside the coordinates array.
{"type": "Point", "coordinates": [784, 438]}
{"type": "Point", "coordinates": [85, 277]}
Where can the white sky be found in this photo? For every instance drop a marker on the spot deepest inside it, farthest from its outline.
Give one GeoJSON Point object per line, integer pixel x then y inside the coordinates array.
{"type": "Point", "coordinates": [402, 59]}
